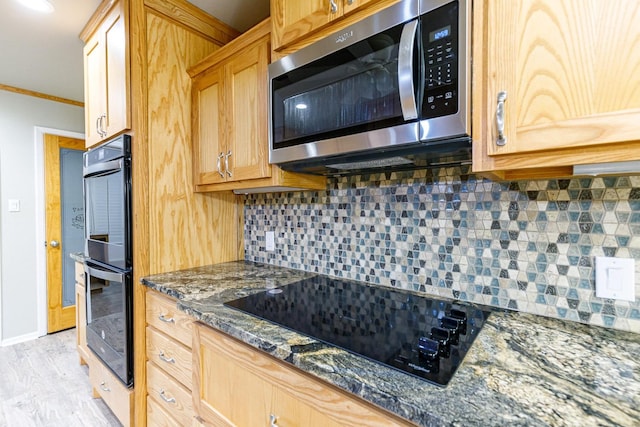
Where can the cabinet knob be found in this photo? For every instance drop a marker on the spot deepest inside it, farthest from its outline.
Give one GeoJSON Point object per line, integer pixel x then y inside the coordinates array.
{"type": "Point", "coordinates": [104, 387]}
{"type": "Point", "coordinates": [502, 139]}
{"type": "Point", "coordinates": [334, 6]}
{"type": "Point", "coordinates": [273, 420]}
{"type": "Point", "coordinates": [54, 243]}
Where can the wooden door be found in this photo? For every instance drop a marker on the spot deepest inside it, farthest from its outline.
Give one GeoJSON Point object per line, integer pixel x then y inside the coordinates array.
{"type": "Point", "coordinates": [293, 19]}
{"type": "Point", "coordinates": [208, 127]}
{"type": "Point", "coordinates": [246, 124]}
{"type": "Point", "coordinates": [59, 315]}
{"type": "Point", "coordinates": [569, 69]}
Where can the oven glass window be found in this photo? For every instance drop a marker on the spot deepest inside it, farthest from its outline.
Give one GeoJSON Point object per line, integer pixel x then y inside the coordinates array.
{"type": "Point", "coordinates": [106, 328]}
{"type": "Point", "coordinates": [106, 222]}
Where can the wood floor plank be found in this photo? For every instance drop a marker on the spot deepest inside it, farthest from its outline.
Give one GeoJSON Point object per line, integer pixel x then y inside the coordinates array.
{"type": "Point", "coordinates": [42, 384]}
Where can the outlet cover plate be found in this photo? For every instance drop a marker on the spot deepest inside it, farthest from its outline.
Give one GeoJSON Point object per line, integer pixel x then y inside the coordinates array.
{"type": "Point", "coordinates": [270, 241]}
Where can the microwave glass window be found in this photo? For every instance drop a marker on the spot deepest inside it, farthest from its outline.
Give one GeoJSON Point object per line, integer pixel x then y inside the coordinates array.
{"type": "Point", "coordinates": [357, 87]}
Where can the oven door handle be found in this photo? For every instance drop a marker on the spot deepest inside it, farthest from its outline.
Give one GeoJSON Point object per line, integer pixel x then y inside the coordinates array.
{"type": "Point", "coordinates": [104, 274]}
{"type": "Point", "coordinates": [106, 168]}
{"type": "Point", "coordinates": [405, 70]}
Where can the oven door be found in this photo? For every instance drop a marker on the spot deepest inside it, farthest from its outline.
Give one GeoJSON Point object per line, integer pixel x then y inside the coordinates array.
{"type": "Point", "coordinates": [109, 318]}
{"type": "Point", "coordinates": [107, 191]}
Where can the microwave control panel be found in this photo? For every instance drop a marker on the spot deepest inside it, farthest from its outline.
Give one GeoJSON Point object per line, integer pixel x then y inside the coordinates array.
{"type": "Point", "coordinates": [440, 47]}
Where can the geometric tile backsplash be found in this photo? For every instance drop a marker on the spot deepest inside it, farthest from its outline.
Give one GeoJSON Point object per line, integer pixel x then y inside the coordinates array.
{"type": "Point", "coordinates": [522, 245]}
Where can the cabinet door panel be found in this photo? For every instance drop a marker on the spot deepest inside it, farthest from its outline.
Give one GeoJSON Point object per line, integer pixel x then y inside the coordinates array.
{"type": "Point", "coordinates": [568, 69]}
{"type": "Point", "coordinates": [117, 75]}
{"type": "Point", "coordinates": [208, 126]}
{"type": "Point", "coordinates": [351, 5]}
{"type": "Point", "coordinates": [94, 89]}
{"type": "Point", "coordinates": [293, 19]}
{"type": "Point", "coordinates": [247, 116]}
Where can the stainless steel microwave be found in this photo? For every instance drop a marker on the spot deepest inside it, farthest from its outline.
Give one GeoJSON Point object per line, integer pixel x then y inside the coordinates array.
{"type": "Point", "coordinates": [391, 91]}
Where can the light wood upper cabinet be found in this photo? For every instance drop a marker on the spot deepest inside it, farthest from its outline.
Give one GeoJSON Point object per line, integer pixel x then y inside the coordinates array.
{"type": "Point", "coordinates": [229, 120]}
{"type": "Point", "coordinates": [570, 72]}
{"type": "Point", "coordinates": [294, 19]}
{"type": "Point", "coordinates": [106, 71]}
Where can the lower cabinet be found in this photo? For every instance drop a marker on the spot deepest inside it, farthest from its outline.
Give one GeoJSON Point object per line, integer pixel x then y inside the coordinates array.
{"type": "Point", "coordinates": [107, 386]}
{"type": "Point", "coordinates": [169, 362]}
{"type": "Point", "coordinates": [237, 385]}
{"type": "Point", "coordinates": [81, 314]}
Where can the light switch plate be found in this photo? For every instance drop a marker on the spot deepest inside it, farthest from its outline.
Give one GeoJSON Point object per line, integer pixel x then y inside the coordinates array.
{"type": "Point", "coordinates": [14, 205]}
{"type": "Point", "coordinates": [270, 241]}
{"type": "Point", "coordinates": [615, 278]}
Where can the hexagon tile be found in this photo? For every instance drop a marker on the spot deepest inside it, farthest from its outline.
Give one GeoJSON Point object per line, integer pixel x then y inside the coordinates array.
{"type": "Point", "coordinates": [525, 245]}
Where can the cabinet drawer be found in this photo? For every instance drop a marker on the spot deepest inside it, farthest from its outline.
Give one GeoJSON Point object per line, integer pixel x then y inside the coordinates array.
{"type": "Point", "coordinates": [117, 397]}
{"type": "Point", "coordinates": [171, 356]}
{"type": "Point", "coordinates": [169, 394]}
{"type": "Point", "coordinates": [158, 417]}
{"type": "Point", "coordinates": [163, 315]}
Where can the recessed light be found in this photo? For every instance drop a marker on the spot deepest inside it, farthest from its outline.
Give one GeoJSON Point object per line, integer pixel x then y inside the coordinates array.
{"type": "Point", "coordinates": [43, 6]}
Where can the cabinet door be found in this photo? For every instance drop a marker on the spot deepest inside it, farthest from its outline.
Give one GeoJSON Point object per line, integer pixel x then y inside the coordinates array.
{"type": "Point", "coordinates": [351, 5]}
{"type": "Point", "coordinates": [208, 127]}
{"type": "Point", "coordinates": [117, 73]}
{"type": "Point", "coordinates": [569, 69]}
{"type": "Point", "coordinates": [293, 19]}
{"type": "Point", "coordinates": [94, 88]}
{"type": "Point", "coordinates": [246, 155]}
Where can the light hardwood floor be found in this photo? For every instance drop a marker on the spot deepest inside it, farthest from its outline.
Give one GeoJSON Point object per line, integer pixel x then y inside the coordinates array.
{"type": "Point", "coordinates": [43, 384]}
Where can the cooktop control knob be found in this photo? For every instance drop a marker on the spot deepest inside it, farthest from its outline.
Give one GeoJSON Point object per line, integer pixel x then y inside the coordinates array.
{"type": "Point", "coordinates": [462, 317]}
{"type": "Point", "coordinates": [428, 349]}
{"type": "Point", "coordinates": [453, 325]}
{"type": "Point", "coordinates": [443, 336]}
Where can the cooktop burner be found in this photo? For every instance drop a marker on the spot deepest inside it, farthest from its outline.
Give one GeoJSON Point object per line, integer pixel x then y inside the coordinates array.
{"type": "Point", "coordinates": [421, 336]}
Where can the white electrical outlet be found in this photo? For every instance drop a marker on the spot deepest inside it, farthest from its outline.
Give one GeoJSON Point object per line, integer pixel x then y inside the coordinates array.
{"type": "Point", "coordinates": [270, 242]}
{"type": "Point", "coordinates": [615, 278]}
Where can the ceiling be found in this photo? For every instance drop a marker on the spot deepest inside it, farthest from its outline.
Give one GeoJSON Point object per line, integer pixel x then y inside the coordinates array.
{"type": "Point", "coordinates": [42, 52]}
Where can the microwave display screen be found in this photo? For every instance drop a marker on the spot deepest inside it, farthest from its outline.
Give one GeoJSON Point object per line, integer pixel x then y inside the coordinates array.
{"type": "Point", "coordinates": [440, 33]}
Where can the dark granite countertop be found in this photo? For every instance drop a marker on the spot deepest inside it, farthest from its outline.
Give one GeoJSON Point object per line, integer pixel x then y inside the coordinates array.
{"type": "Point", "coordinates": [522, 370]}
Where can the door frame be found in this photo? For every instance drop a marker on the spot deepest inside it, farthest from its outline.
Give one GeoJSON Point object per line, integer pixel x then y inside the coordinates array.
{"type": "Point", "coordinates": [40, 249]}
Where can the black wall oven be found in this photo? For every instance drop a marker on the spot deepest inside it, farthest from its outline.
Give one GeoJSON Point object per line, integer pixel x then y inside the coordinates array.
{"type": "Point", "coordinates": [109, 263]}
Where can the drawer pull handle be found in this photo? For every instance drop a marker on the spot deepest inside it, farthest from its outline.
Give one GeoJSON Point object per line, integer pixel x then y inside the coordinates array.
{"type": "Point", "coordinates": [167, 319]}
{"type": "Point", "coordinates": [165, 398]}
{"type": "Point", "coordinates": [165, 358]}
{"type": "Point", "coordinates": [103, 386]}
{"type": "Point", "coordinates": [273, 420]}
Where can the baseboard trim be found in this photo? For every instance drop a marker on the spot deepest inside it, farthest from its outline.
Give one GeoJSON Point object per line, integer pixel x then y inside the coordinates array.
{"type": "Point", "coordinates": [19, 339]}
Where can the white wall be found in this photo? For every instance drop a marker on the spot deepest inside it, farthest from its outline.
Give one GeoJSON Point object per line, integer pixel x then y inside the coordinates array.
{"type": "Point", "coordinates": [19, 115]}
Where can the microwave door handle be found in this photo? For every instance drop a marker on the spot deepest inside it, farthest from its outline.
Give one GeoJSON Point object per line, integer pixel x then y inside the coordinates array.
{"type": "Point", "coordinates": [105, 168]}
{"type": "Point", "coordinates": [104, 275]}
{"type": "Point", "coordinates": [405, 70]}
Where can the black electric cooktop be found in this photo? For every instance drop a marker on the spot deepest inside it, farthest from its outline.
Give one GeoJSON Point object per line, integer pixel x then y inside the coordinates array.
{"type": "Point", "coordinates": [424, 337]}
